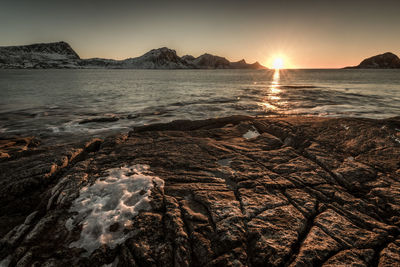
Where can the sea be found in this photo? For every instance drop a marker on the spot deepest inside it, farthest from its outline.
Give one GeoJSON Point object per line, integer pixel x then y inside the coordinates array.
{"type": "Point", "coordinates": [62, 105]}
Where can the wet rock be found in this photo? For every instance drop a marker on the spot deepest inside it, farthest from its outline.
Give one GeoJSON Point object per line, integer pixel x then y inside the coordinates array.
{"type": "Point", "coordinates": [304, 192]}
{"type": "Point", "coordinates": [13, 146]}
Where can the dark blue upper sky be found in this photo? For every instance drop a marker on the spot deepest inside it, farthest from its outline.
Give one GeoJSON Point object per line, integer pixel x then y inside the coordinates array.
{"type": "Point", "coordinates": [305, 33]}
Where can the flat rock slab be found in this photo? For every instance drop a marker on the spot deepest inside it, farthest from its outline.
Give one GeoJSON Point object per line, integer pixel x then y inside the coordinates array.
{"type": "Point", "coordinates": [302, 191]}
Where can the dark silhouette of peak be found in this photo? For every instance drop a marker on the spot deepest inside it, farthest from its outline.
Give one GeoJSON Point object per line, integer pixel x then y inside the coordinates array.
{"type": "Point", "coordinates": [241, 64]}
{"type": "Point", "coordinates": [188, 57]}
{"type": "Point", "coordinates": [212, 62]}
{"type": "Point", "coordinates": [386, 60]}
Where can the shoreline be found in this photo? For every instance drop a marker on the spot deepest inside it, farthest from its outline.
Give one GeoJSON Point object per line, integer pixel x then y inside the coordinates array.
{"type": "Point", "coordinates": [67, 137]}
{"type": "Point", "coordinates": [240, 189]}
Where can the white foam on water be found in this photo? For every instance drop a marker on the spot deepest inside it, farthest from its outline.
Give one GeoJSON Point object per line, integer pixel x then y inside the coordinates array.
{"type": "Point", "coordinates": [54, 129]}
{"type": "Point", "coordinates": [252, 133]}
{"type": "Point", "coordinates": [112, 200]}
{"type": "Point", "coordinates": [396, 139]}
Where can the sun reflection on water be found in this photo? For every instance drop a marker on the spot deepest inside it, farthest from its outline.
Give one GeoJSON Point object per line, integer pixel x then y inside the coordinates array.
{"type": "Point", "coordinates": [272, 100]}
{"type": "Point", "coordinates": [276, 76]}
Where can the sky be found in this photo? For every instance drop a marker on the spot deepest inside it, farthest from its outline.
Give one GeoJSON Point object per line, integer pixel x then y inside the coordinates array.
{"type": "Point", "coordinates": [304, 33]}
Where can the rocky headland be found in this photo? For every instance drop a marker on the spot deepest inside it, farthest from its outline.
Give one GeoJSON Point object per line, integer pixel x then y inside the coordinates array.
{"type": "Point", "coordinates": [60, 55]}
{"type": "Point", "coordinates": [383, 61]}
{"type": "Point", "coordinates": [236, 191]}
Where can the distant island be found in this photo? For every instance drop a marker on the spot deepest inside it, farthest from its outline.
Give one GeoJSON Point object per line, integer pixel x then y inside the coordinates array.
{"type": "Point", "coordinates": [383, 61]}
{"type": "Point", "coordinates": [60, 55]}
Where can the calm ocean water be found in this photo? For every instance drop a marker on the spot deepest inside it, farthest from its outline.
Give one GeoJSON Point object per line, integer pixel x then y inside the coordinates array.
{"type": "Point", "coordinates": [52, 103]}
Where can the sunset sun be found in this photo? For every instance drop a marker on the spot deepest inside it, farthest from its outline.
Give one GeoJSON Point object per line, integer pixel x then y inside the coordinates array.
{"type": "Point", "coordinates": [278, 63]}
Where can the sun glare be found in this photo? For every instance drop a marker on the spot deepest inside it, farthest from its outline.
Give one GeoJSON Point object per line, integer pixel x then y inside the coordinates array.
{"type": "Point", "coordinates": [278, 63]}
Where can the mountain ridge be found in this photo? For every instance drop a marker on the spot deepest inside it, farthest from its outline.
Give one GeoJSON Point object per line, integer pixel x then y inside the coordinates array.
{"type": "Point", "coordinates": [61, 55]}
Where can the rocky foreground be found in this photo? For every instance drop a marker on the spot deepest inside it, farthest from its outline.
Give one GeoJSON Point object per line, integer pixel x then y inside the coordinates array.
{"type": "Point", "coordinates": [237, 191]}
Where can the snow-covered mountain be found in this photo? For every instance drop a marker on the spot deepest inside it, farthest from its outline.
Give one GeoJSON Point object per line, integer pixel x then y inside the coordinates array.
{"type": "Point", "coordinates": [46, 55]}
{"type": "Point", "coordinates": [162, 58]}
{"type": "Point", "coordinates": [61, 55]}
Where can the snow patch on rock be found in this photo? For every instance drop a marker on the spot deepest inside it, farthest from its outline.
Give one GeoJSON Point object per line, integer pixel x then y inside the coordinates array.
{"type": "Point", "coordinates": [225, 162]}
{"type": "Point", "coordinates": [252, 133]}
{"type": "Point", "coordinates": [6, 262]}
{"type": "Point", "coordinates": [106, 208]}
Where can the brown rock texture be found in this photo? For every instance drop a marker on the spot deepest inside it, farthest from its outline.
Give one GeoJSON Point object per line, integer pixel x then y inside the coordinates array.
{"type": "Point", "coordinates": [302, 191]}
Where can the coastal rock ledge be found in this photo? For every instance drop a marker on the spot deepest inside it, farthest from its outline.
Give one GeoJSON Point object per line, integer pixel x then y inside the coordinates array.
{"type": "Point", "coordinates": [236, 191]}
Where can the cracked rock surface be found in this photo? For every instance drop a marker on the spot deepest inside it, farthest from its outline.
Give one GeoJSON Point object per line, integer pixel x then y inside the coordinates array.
{"type": "Point", "coordinates": [303, 191]}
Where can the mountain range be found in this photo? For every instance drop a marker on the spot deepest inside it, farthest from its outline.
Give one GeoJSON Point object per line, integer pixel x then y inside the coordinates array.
{"type": "Point", "coordinates": [61, 55]}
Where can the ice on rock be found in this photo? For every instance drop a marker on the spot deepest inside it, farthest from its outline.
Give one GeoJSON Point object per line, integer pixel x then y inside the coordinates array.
{"type": "Point", "coordinates": [225, 162]}
{"type": "Point", "coordinates": [252, 133]}
{"type": "Point", "coordinates": [6, 262]}
{"type": "Point", "coordinates": [107, 207]}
